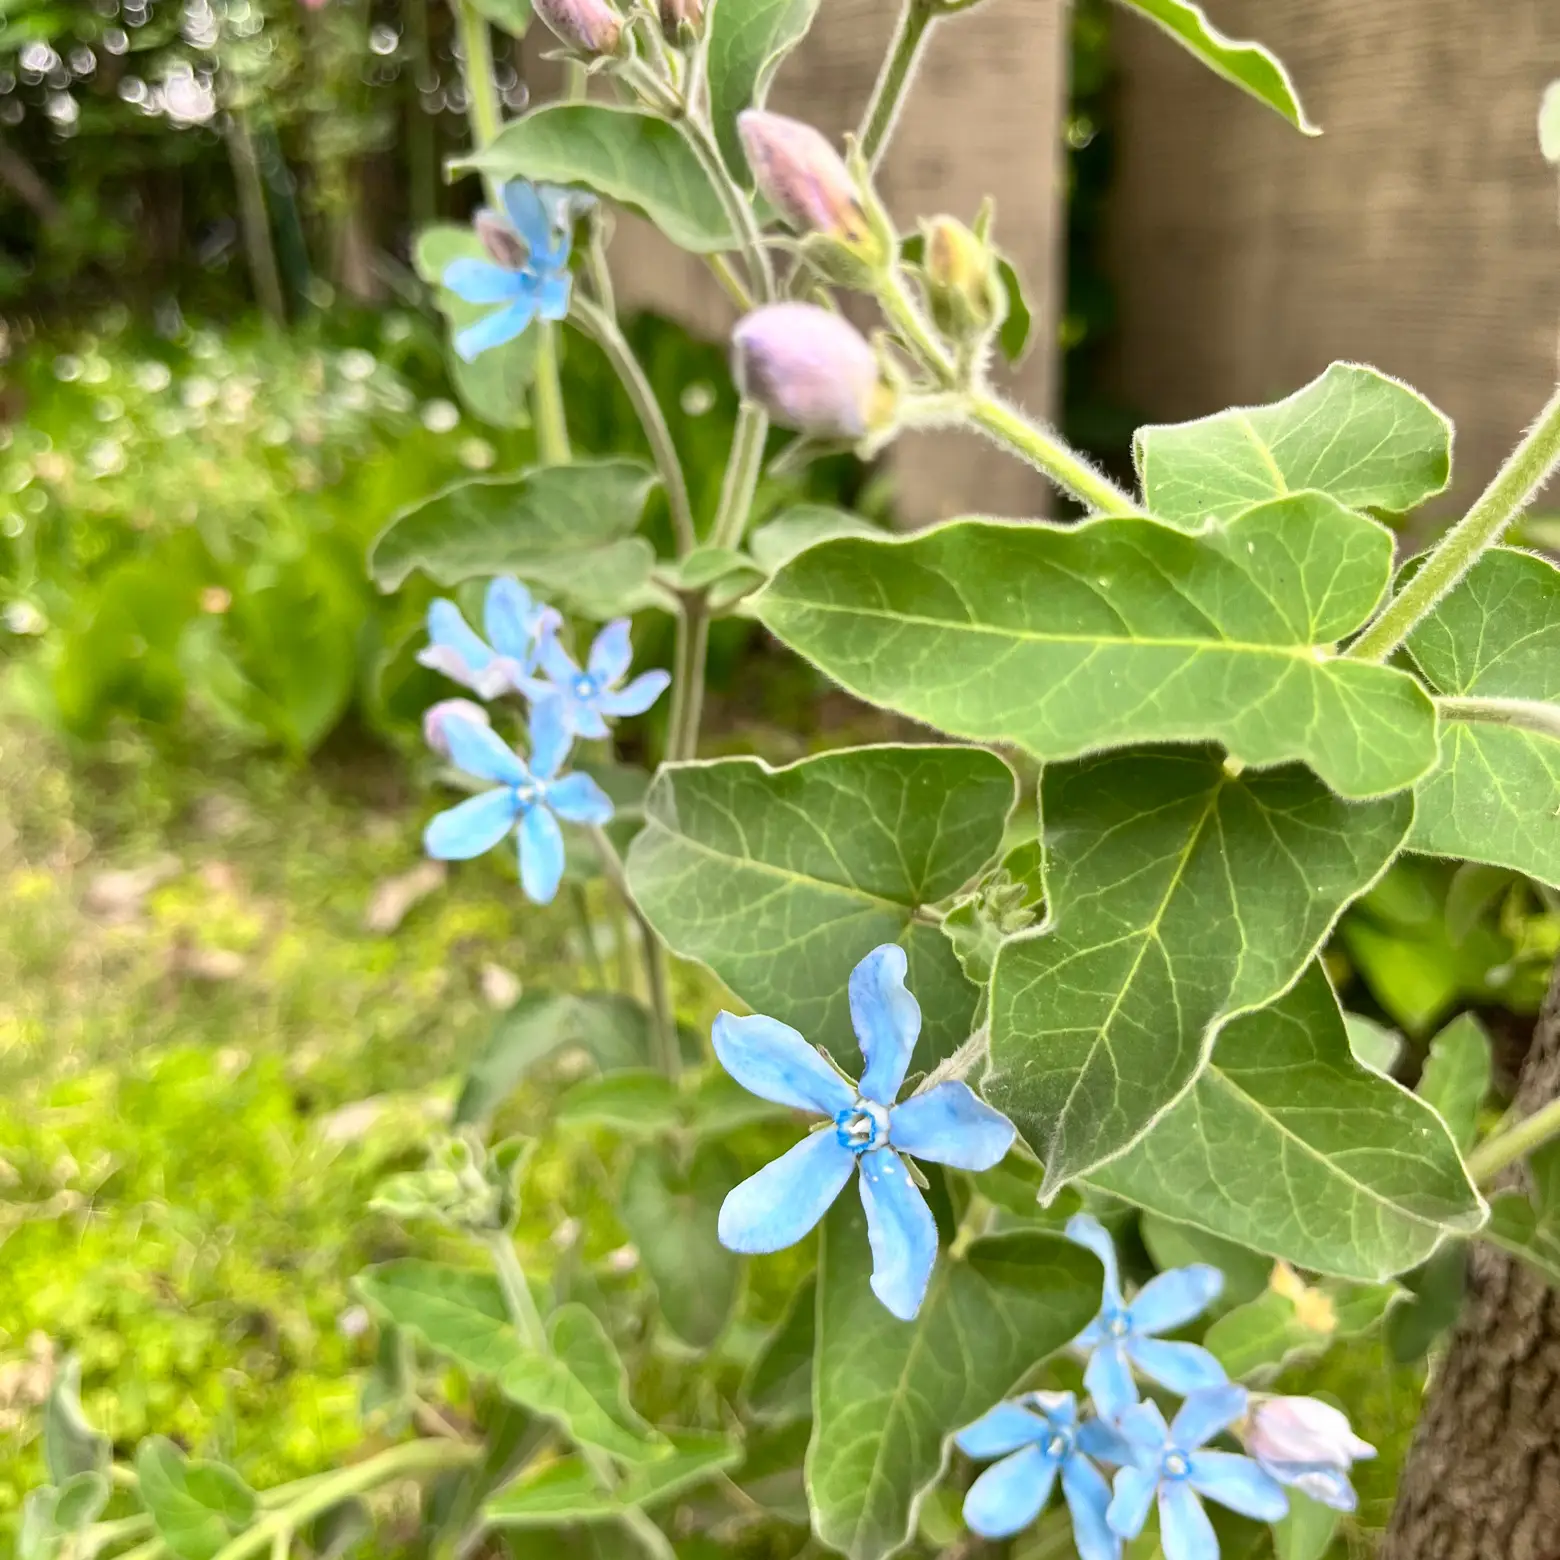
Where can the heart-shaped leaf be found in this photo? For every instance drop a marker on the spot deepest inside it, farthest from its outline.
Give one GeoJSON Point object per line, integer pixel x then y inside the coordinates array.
{"type": "Point", "coordinates": [1065, 640]}
{"type": "Point", "coordinates": [1287, 1144]}
{"type": "Point", "coordinates": [748, 40]}
{"type": "Point", "coordinates": [782, 880]}
{"type": "Point", "coordinates": [197, 1506]}
{"type": "Point", "coordinates": [1179, 895]}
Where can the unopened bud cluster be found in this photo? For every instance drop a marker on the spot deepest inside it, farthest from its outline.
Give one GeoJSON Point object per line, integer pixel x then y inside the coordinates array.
{"type": "Point", "coordinates": [810, 370]}
{"type": "Point", "coordinates": [463, 1186]}
{"type": "Point", "coordinates": [963, 279]}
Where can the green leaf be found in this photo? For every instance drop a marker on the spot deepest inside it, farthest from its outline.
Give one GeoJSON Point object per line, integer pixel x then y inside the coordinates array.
{"type": "Point", "coordinates": [1373, 1044]}
{"type": "Point", "coordinates": [1066, 639]}
{"type": "Point", "coordinates": [642, 1102]}
{"type": "Point", "coordinates": [569, 1490]}
{"type": "Point", "coordinates": [793, 530]}
{"type": "Point", "coordinates": [1528, 1226]}
{"type": "Point", "coordinates": [1307, 1532]}
{"type": "Point", "coordinates": [1171, 1245]}
{"type": "Point", "coordinates": [1354, 433]}
{"type": "Point", "coordinates": [613, 1029]}
{"type": "Point", "coordinates": [80, 1500]}
{"type": "Point", "coordinates": [1456, 1077]}
{"type": "Point", "coordinates": [887, 1395]}
{"type": "Point", "coordinates": [1247, 65]}
{"type": "Point", "coordinates": [567, 529]}
{"type": "Point", "coordinates": [1179, 895]}
{"type": "Point", "coordinates": [1255, 1340]}
{"type": "Point", "coordinates": [637, 159]}
{"type": "Point", "coordinates": [1007, 901]}
{"type": "Point", "coordinates": [1495, 795]}
{"type": "Point", "coordinates": [462, 1315]}
{"type": "Point", "coordinates": [1433, 1301]}
{"type": "Point", "coordinates": [197, 1506]}
{"type": "Point", "coordinates": [1286, 1144]}
{"type": "Point", "coordinates": [510, 16]}
{"type": "Point", "coordinates": [70, 1444]}
{"type": "Point", "coordinates": [494, 385]}
{"type": "Point", "coordinates": [782, 880]}
{"type": "Point", "coordinates": [670, 1213]}
{"type": "Point", "coordinates": [748, 39]}
{"type": "Point", "coordinates": [778, 1388]}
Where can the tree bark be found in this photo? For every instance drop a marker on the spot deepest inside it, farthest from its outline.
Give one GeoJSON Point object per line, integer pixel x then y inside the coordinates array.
{"type": "Point", "coordinates": [1483, 1476]}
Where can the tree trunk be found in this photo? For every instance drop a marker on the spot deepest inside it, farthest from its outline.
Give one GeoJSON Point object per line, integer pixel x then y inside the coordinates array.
{"type": "Point", "coordinates": [1482, 1480]}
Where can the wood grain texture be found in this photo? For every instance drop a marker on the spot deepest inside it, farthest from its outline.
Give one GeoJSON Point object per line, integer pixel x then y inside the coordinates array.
{"type": "Point", "coordinates": [1418, 234]}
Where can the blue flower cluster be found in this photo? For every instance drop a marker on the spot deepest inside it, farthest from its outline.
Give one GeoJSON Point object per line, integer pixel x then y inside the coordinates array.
{"type": "Point", "coordinates": [530, 795]}
{"type": "Point", "coordinates": [1041, 1436]}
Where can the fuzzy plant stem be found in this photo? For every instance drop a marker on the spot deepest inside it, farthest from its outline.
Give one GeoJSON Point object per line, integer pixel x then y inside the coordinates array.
{"type": "Point", "coordinates": [1524, 473]}
{"type": "Point", "coordinates": [893, 82]}
{"type": "Point", "coordinates": [1043, 450]}
{"type": "Point", "coordinates": [1507, 1146]}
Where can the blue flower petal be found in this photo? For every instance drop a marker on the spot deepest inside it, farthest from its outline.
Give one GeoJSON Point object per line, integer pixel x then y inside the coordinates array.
{"type": "Point", "coordinates": [1239, 1483]}
{"type": "Point", "coordinates": [1104, 1442]}
{"type": "Point", "coordinates": [541, 855]}
{"type": "Point", "coordinates": [1132, 1500]}
{"type": "Point", "coordinates": [493, 331]}
{"type": "Point", "coordinates": [550, 731]}
{"type": "Point", "coordinates": [773, 1061]}
{"type": "Point", "coordinates": [578, 799]}
{"type": "Point", "coordinates": [1172, 1299]}
{"type": "Point", "coordinates": [1109, 1379]}
{"type": "Point", "coordinates": [1185, 1533]}
{"type": "Point", "coordinates": [480, 751]}
{"type": "Point", "coordinates": [1010, 1494]}
{"type": "Point", "coordinates": [1143, 1428]}
{"type": "Point", "coordinates": [1083, 1229]}
{"type": "Point", "coordinates": [475, 826]}
{"type": "Point", "coordinates": [509, 616]}
{"type": "Point", "coordinates": [525, 208]}
{"type": "Point", "coordinates": [780, 1204]}
{"type": "Point", "coordinates": [999, 1430]}
{"type": "Point", "coordinates": [1088, 1499]}
{"type": "Point", "coordinates": [637, 697]}
{"type": "Point", "coordinates": [586, 719]}
{"type": "Point", "coordinates": [558, 663]}
{"type": "Point", "coordinates": [448, 629]}
{"type": "Point", "coordinates": [481, 281]}
{"type": "Point", "coordinates": [1321, 1481]}
{"type": "Point", "coordinates": [552, 292]}
{"type": "Point", "coordinates": [1205, 1413]}
{"type": "Point", "coordinates": [611, 655]}
{"type": "Point", "coordinates": [1183, 1367]}
{"type": "Point", "coordinates": [901, 1230]}
{"type": "Point", "coordinates": [886, 1018]}
{"type": "Point", "coordinates": [951, 1125]}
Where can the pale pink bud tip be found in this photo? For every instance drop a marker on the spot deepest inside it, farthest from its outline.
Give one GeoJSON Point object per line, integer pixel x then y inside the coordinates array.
{"type": "Point", "coordinates": [802, 176]}
{"type": "Point", "coordinates": [807, 368]}
{"type": "Point", "coordinates": [435, 716]}
{"type": "Point", "coordinates": [591, 26]}
{"type": "Point", "coordinates": [1303, 1430]}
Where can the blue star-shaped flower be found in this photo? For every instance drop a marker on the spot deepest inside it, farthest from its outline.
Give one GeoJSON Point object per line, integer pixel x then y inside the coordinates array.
{"type": "Point", "coordinates": [516, 627]}
{"type": "Point", "coordinates": [1122, 1335]}
{"type": "Point", "coordinates": [1170, 1461]}
{"type": "Point", "coordinates": [590, 695]}
{"type": "Point", "coordinates": [1042, 1433]}
{"type": "Point", "coordinates": [947, 1124]}
{"type": "Point", "coordinates": [529, 274]}
{"type": "Point", "coordinates": [528, 795]}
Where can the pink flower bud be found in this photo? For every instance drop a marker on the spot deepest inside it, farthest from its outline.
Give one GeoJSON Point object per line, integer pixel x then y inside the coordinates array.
{"type": "Point", "coordinates": [808, 368]}
{"type": "Point", "coordinates": [802, 176]}
{"type": "Point", "coordinates": [436, 714]}
{"type": "Point", "coordinates": [1307, 1445]}
{"type": "Point", "coordinates": [680, 15]}
{"type": "Point", "coordinates": [590, 26]}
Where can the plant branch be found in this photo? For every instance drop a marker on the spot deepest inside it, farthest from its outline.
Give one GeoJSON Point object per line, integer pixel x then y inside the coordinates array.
{"type": "Point", "coordinates": [740, 483]}
{"type": "Point", "coordinates": [1509, 1144]}
{"type": "Point", "coordinates": [1528, 714]}
{"type": "Point", "coordinates": [605, 332]}
{"type": "Point", "coordinates": [483, 112]}
{"type": "Point", "coordinates": [888, 93]}
{"type": "Point", "coordinates": [552, 427]}
{"type": "Point", "coordinates": [1043, 450]}
{"type": "Point", "coordinates": [1526, 470]}
{"type": "Point", "coordinates": [693, 640]}
{"type": "Point", "coordinates": [905, 314]}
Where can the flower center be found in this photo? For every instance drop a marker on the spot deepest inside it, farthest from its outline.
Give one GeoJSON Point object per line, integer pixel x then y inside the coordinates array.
{"type": "Point", "coordinates": [584, 687]}
{"type": "Point", "coordinates": [1059, 1447]}
{"type": "Point", "coordinates": [862, 1126]}
{"type": "Point", "coordinates": [1119, 1324]}
{"type": "Point", "coordinates": [528, 793]}
{"type": "Point", "coordinates": [1175, 1465]}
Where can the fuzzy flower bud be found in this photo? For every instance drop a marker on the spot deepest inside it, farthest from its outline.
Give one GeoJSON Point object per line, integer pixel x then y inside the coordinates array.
{"type": "Point", "coordinates": [1307, 1444]}
{"type": "Point", "coordinates": [962, 279]}
{"type": "Point", "coordinates": [809, 369]}
{"type": "Point", "coordinates": [435, 716]}
{"type": "Point", "coordinates": [590, 26]}
{"type": "Point", "coordinates": [681, 18]}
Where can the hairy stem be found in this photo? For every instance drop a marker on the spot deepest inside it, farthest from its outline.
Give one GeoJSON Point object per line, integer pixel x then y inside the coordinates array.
{"type": "Point", "coordinates": [656, 974]}
{"type": "Point", "coordinates": [693, 639]}
{"type": "Point", "coordinates": [483, 112]}
{"type": "Point", "coordinates": [888, 94]}
{"type": "Point", "coordinates": [605, 332]}
{"type": "Point", "coordinates": [1509, 1144]}
{"type": "Point", "coordinates": [547, 413]}
{"type": "Point", "coordinates": [743, 466]}
{"type": "Point", "coordinates": [906, 316]}
{"type": "Point", "coordinates": [1525, 471]}
{"type": "Point", "coordinates": [1043, 450]}
{"type": "Point", "coordinates": [1529, 714]}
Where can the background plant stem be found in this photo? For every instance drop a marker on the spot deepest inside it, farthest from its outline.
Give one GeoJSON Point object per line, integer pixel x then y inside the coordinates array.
{"type": "Point", "coordinates": [664, 1025]}
{"type": "Point", "coordinates": [877, 123]}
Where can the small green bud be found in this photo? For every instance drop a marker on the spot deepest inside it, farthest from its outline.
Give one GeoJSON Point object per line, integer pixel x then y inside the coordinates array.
{"type": "Point", "coordinates": [964, 284]}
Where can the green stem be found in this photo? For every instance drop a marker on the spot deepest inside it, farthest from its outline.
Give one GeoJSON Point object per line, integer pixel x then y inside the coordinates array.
{"type": "Point", "coordinates": [1043, 450]}
{"type": "Point", "coordinates": [1528, 714]}
{"type": "Point", "coordinates": [1512, 1143]}
{"type": "Point", "coordinates": [552, 426]}
{"type": "Point", "coordinates": [102, 1534]}
{"type": "Point", "coordinates": [905, 315]}
{"type": "Point", "coordinates": [740, 483]}
{"type": "Point", "coordinates": [150, 1550]}
{"type": "Point", "coordinates": [255, 220]}
{"type": "Point", "coordinates": [1525, 471]}
{"type": "Point", "coordinates": [518, 1299]}
{"type": "Point", "coordinates": [413, 1457]}
{"type": "Point", "coordinates": [604, 331]}
{"type": "Point", "coordinates": [476, 47]}
{"type": "Point", "coordinates": [656, 975]}
{"type": "Point", "coordinates": [877, 124]}
{"type": "Point", "coordinates": [693, 642]}
{"type": "Point", "coordinates": [581, 907]}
